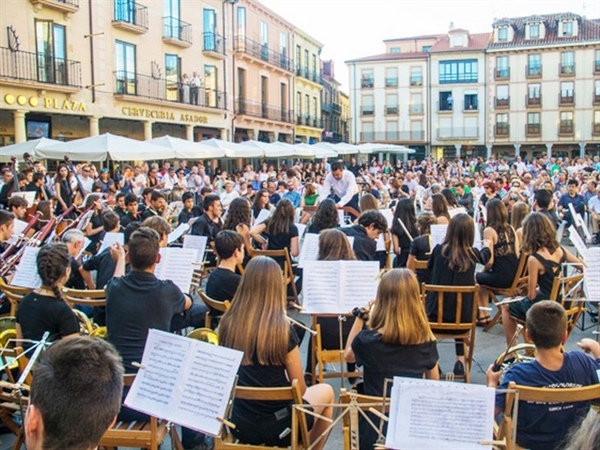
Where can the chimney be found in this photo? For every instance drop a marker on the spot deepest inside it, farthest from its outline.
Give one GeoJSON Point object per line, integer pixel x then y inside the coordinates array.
{"type": "Point", "coordinates": [451, 26]}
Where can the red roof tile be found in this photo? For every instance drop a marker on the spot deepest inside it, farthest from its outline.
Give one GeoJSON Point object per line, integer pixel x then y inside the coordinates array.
{"type": "Point", "coordinates": [478, 41]}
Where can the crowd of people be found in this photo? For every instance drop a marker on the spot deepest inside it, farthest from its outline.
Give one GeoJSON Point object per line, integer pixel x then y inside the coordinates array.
{"type": "Point", "coordinates": [515, 206]}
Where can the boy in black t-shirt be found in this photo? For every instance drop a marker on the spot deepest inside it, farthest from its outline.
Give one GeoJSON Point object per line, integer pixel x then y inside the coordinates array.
{"type": "Point", "coordinates": [223, 281]}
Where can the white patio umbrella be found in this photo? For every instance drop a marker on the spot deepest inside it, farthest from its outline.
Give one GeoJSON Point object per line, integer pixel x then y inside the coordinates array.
{"type": "Point", "coordinates": [30, 147]}
{"type": "Point", "coordinates": [343, 148]}
{"type": "Point", "coordinates": [233, 150]}
{"type": "Point", "coordinates": [185, 149]}
{"type": "Point", "coordinates": [370, 147]}
{"type": "Point", "coordinates": [99, 148]}
{"type": "Point", "coordinates": [271, 150]}
{"type": "Point", "coordinates": [325, 150]}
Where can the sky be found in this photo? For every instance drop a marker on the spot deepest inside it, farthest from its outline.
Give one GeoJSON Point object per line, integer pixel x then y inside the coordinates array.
{"type": "Point", "coordinates": [352, 29]}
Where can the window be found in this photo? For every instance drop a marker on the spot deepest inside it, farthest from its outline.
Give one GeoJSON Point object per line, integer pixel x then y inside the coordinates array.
{"type": "Point", "coordinates": [241, 82]}
{"type": "Point", "coordinates": [463, 71]}
{"type": "Point", "coordinates": [534, 31]}
{"type": "Point", "coordinates": [391, 77]}
{"type": "Point", "coordinates": [391, 131]}
{"type": "Point", "coordinates": [395, 50]}
{"type": "Point", "coordinates": [502, 67]}
{"type": "Point", "coordinates": [367, 131]}
{"type": "Point", "coordinates": [367, 105]}
{"type": "Point", "coordinates": [533, 127]}
{"type": "Point", "coordinates": [503, 34]}
{"type": "Point", "coordinates": [567, 28]}
{"type": "Point", "coordinates": [367, 79]}
{"type": "Point", "coordinates": [597, 62]}
{"type": "Point", "coordinates": [172, 76]}
{"type": "Point", "coordinates": [299, 106]}
{"type": "Point", "coordinates": [210, 86]}
{"type": "Point", "coordinates": [298, 60]}
{"type": "Point", "coordinates": [314, 110]}
{"type": "Point", "coordinates": [567, 63]}
{"type": "Point", "coordinates": [172, 28]}
{"type": "Point", "coordinates": [534, 65]}
{"type": "Point", "coordinates": [264, 41]}
{"type": "Point", "coordinates": [307, 105]}
{"type": "Point", "coordinates": [502, 127]}
{"type": "Point", "coordinates": [502, 98]}
{"type": "Point", "coordinates": [596, 91]}
{"type": "Point", "coordinates": [416, 76]}
{"type": "Point", "coordinates": [446, 101]}
{"type": "Point", "coordinates": [125, 67]}
{"type": "Point", "coordinates": [125, 11]}
{"type": "Point", "coordinates": [416, 104]}
{"type": "Point", "coordinates": [534, 90]}
{"type": "Point", "coordinates": [51, 49]}
{"type": "Point", "coordinates": [416, 130]}
{"type": "Point", "coordinates": [457, 41]}
{"type": "Point", "coordinates": [210, 30]}
{"type": "Point", "coordinates": [283, 45]}
{"type": "Point", "coordinates": [306, 62]}
{"type": "Point", "coordinates": [241, 24]}
{"type": "Point", "coordinates": [314, 67]}
{"type": "Point", "coordinates": [391, 104]}
{"type": "Point", "coordinates": [566, 122]}
{"type": "Point", "coordinates": [470, 103]}
{"type": "Point", "coordinates": [566, 92]}
{"type": "Point", "coordinates": [533, 118]}
{"type": "Point", "coordinates": [426, 48]}
{"type": "Point", "coordinates": [596, 127]}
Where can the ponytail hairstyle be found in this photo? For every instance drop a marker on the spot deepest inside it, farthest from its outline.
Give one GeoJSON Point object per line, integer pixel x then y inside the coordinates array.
{"type": "Point", "coordinates": [53, 261]}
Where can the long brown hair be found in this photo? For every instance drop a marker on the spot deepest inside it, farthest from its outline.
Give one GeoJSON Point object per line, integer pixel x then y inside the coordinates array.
{"type": "Point", "coordinates": [239, 213]}
{"type": "Point", "coordinates": [281, 219]}
{"type": "Point", "coordinates": [518, 212]}
{"type": "Point", "coordinates": [538, 233]}
{"type": "Point", "coordinates": [439, 206]}
{"type": "Point", "coordinates": [334, 246]}
{"type": "Point", "coordinates": [458, 243]}
{"type": "Point", "coordinates": [259, 299]}
{"type": "Point", "coordinates": [497, 215]}
{"type": "Point", "coordinates": [398, 312]}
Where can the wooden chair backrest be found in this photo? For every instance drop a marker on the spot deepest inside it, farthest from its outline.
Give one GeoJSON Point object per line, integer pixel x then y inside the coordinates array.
{"type": "Point", "coordinates": [214, 304]}
{"type": "Point", "coordinates": [460, 292]}
{"type": "Point", "coordinates": [421, 264]}
{"type": "Point", "coordinates": [571, 297]}
{"type": "Point", "coordinates": [365, 403]}
{"type": "Point", "coordinates": [14, 294]}
{"type": "Point", "coordinates": [85, 297]}
{"type": "Point", "coordinates": [521, 276]}
{"type": "Point", "coordinates": [287, 270]}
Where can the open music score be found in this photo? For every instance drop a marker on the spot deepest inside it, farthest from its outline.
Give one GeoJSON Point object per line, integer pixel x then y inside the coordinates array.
{"type": "Point", "coordinates": [428, 414]}
{"type": "Point", "coordinates": [18, 228]}
{"type": "Point", "coordinates": [591, 269]}
{"type": "Point", "coordinates": [178, 232]}
{"type": "Point", "coordinates": [176, 265]}
{"type": "Point", "coordinates": [110, 239]}
{"type": "Point", "coordinates": [198, 243]}
{"type": "Point", "coordinates": [310, 248]}
{"type": "Point", "coordinates": [29, 196]}
{"type": "Point", "coordinates": [26, 274]}
{"type": "Point", "coordinates": [185, 381]}
{"type": "Point", "coordinates": [263, 215]}
{"type": "Point", "coordinates": [438, 234]}
{"type": "Point", "coordinates": [336, 287]}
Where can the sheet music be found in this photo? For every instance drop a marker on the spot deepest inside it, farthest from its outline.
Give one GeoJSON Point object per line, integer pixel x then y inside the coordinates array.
{"type": "Point", "coordinates": [18, 228]}
{"type": "Point", "coordinates": [110, 239]}
{"type": "Point", "coordinates": [310, 248]}
{"type": "Point", "coordinates": [198, 243]}
{"type": "Point", "coordinates": [577, 241]}
{"type": "Point", "coordinates": [458, 210]}
{"type": "Point", "coordinates": [301, 229]}
{"type": "Point", "coordinates": [341, 217]}
{"type": "Point", "coordinates": [381, 243]}
{"type": "Point", "coordinates": [176, 265]}
{"type": "Point", "coordinates": [26, 274]}
{"type": "Point", "coordinates": [426, 414]}
{"type": "Point", "coordinates": [438, 234]}
{"type": "Point", "coordinates": [27, 195]}
{"type": "Point", "coordinates": [336, 287]}
{"type": "Point", "coordinates": [263, 215]}
{"type": "Point", "coordinates": [177, 232]}
{"type": "Point", "coordinates": [389, 216]}
{"type": "Point", "coordinates": [477, 244]}
{"type": "Point", "coordinates": [184, 381]}
{"type": "Point", "coordinates": [591, 272]}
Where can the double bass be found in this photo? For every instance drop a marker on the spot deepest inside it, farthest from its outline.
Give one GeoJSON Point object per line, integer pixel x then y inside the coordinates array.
{"type": "Point", "coordinates": [80, 193]}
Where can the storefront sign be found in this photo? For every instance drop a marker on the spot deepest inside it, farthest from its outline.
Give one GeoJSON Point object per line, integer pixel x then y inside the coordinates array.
{"type": "Point", "coordinates": [162, 115]}
{"type": "Point", "coordinates": [46, 102]}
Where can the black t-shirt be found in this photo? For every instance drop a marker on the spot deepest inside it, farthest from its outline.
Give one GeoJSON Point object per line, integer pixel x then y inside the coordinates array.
{"type": "Point", "coordinates": [149, 212]}
{"type": "Point", "coordinates": [185, 216]}
{"type": "Point", "coordinates": [120, 212]}
{"type": "Point", "coordinates": [127, 219]}
{"type": "Point", "coordinates": [75, 281]}
{"type": "Point", "coordinates": [364, 247]}
{"type": "Point", "coordinates": [136, 303]}
{"type": "Point", "coordinates": [96, 222]}
{"type": "Point", "coordinates": [222, 284]}
{"type": "Point", "coordinates": [419, 248]}
{"type": "Point", "coordinates": [104, 265]}
{"type": "Point", "coordinates": [281, 241]}
{"type": "Point", "coordinates": [381, 361]}
{"type": "Point", "coordinates": [40, 313]}
{"type": "Point", "coordinates": [204, 226]}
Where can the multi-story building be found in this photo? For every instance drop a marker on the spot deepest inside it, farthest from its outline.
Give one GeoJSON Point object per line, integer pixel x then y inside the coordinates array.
{"type": "Point", "coordinates": [389, 95]}
{"type": "Point", "coordinates": [457, 93]}
{"type": "Point", "coordinates": [307, 88]}
{"type": "Point", "coordinates": [345, 117]}
{"type": "Point", "coordinates": [544, 85]}
{"type": "Point", "coordinates": [70, 69]}
{"type": "Point", "coordinates": [331, 105]}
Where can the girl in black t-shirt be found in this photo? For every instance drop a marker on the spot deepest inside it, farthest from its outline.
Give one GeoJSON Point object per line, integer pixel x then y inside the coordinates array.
{"type": "Point", "coordinates": [279, 229]}
{"type": "Point", "coordinates": [325, 217]}
{"type": "Point", "coordinates": [420, 247]}
{"type": "Point", "coordinates": [405, 212]}
{"type": "Point", "coordinates": [44, 309]}
{"type": "Point", "coordinates": [256, 324]}
{"type": "Point", "coordinates": [94, 229]}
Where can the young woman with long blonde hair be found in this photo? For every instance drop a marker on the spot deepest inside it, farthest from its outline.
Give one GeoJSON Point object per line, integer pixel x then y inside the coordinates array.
{"type": "Point", "coordinates": [257, 325]}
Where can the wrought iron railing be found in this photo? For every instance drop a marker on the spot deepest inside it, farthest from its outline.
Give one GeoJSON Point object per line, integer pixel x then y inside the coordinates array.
{"type": "Point", "coordinates": [263, 110]}
{"type": "Point", "coordinates": [132, 13]}
{"type": "Point", "coordinates": [262, 51]}
{"type": "Point", "coordinates": [173, 28]}
{"type": "Point", "coordinates": [214, 42]}
{"type": "Point", "coordinates": [39, 67]}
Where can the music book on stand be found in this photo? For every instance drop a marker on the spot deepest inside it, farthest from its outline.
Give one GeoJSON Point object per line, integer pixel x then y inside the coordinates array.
{"type": "Point", "coordinates": [176, 265]}
{"type": "Point", "coordinates": [26, 274]}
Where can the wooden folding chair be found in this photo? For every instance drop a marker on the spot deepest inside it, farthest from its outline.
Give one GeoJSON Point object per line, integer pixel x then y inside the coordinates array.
{"type": "Point", "coordinates": [505, 431]}
{"type": "Point", "coordinates": [213, 305]}
{"type": "Point", "coordinates": [13, 402]}
{"type": "Point", "coordinates": [460, 328]}
{"type": "Point", "coordinates": [569, 292]}
{"type": "Point", "coordinates": [518, 287]}
{"type": "Point", "coordinates": [365, 403]}
{"type": "Point", "coordinates": [288, 270]}
{"type": "Point", "coordinates": [14, 294]}
{"type": "Point", "coordinates": [226, 441]}
{"type": "Point", "coordinates": [321, 356]}
{"type": "Point", "coordinates": [85, 297]}
{"type": "Point", "coordinates": [146, 435]}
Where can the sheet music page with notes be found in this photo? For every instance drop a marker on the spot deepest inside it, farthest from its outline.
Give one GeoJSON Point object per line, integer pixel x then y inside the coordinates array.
{"type": "Point", "coordinates": [591, 272]}
{"type": "Point", "coordinates": [336, 287]}
{"type": "Point", "coordinates": [110, 239]}
{"type": "Point", "coordinates": [426, 414]}
{"type": "Point", "coordinates": [185, 381]}
{"type": "Point", "coordinates": [26, 274]}
{"type": "Point", "coordinates": [176, 265]}
{"type": "Point", "coordinates": [263, 215]}
{"type": "Point", "coordinates": [310, 248]}
{"type": "Point", "coordinates": [438, 234]}
{"type": "Point", "coordinates": [198, 243]}
{"type": "Point", "coordinates": [18, 228]}
{"type": "Point", "coordinates": [177, 232]}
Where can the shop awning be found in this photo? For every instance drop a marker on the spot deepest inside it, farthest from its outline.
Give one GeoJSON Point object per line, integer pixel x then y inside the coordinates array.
{"type": "Point", "coordinates": [30, 147]}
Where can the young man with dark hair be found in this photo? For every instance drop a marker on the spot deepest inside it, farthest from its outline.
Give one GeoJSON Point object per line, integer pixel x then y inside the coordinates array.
{"type": "Point", "coordinates": [574, 198]}
{"type": "Point", "coordinates": [209, 224]}
{"type": "Point", "coordinates": [158, 206]}
{"type": "Point", "coordinates": [146, 196]}
{"type": "Point", "coordinates": [38, 185]}
{"type": "Point", "coordinates": [161, 226]}
{"type": "Point", "coordinates": [370, 226]}
{"type": "Point", "coordinates": [75, 395]}
{"type": "Point", "coordinates": [542, 199]}
{"type": "Point", "coordinates": [223, 281]}
{"type": "Point", "coordinates": [132, 215]}
{"type": "Point", "coordinates": [18, 206]}
{"type": "Point", "coordinates": [120, 207]}
{"type": "Point", "coordinates": [543, 426]}
{"type": "Point", "coordinates": [189, 211]}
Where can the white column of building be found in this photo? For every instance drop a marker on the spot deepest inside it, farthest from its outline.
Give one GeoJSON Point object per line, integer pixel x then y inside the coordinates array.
{"type": "Point", "coordinates": [94, 125]}
{"type": "Point", "coordinates": [189, 132]}
{"type": "Point", "coordinates": [488, 151]}
{"type": "Point", "coordinates": [19, 122]}
{"type": "Point", "coordinates": [457, 147]}
{"type": "Point", "coordinates": [549, 151]}
{"type": "Point", "coordinates": [148, 130]}
{"type": "Point", "coordinates": [582, 150]}
{"type": "Point", "coordinates": [223, 134]}
{"type": "Point", "coordinates": [517, 149]}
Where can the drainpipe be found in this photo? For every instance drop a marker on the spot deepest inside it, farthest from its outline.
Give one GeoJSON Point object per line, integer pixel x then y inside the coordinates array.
{"type": "Point", "coordinates": [91, 36]}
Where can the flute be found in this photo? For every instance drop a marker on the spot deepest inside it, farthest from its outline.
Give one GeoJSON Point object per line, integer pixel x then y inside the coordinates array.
{"type": "Point", "coordinates": [301, 325]}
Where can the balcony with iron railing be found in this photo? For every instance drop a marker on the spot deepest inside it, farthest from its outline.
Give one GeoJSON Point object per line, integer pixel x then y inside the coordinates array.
{"type": "Point", "coordinates": [502, 103]}
{"type": "Point", "coordinates": [533, 102]}
{"type": "Point", "coordinates": [263, 53]}
{"type": "Point", "coordinates": [597, 98]}
{"type": "Point", "coordinates": [533, 129]}
{"type": "Point", "coordinates": [153, 88]}
{"type": "Point", "coordinates": [470, 107]}
{"type": "Point", "coordinates": [566, 98]}
{"type": "Point", "coordinates": [333, 108]}
{"type": "Point", "coordinates": [502, 130]}
{"type": "Point", "coordinates": [502, 73]}
{"type": "Point", "coordinates": [177, 32]}
{"type": "Point", "coordinates": [415, 109]}
{"type": "Point", "coordinates": [263, 110]}
{"type": "Point", "coordinates": [416, 80]}
{"type": "Point", "coordinates": [213, 45]}
{"type": "Point", "coordinates": [66, 6]}
{"type": "Point", "coordinates": [392, 136]}
{"type": "Point", "coordinates": [566, 128]}
{"type": "Point", "coordinates": [596, 129]}
{"type": "Point", "coordinates": [367, 110]}
{"type": "Point", "coordinates": [450, 133]}
{"type": "Point", "coordinates": [534, 71]}
{"type": "Point", "coordinates": [28, 68]}
{"type": "Point", "coordinates": [391, 82]}
{"type": "Point", "coordinates": [597, 66]}
{"type": "Point", "coordinates": [392, 110]}
{"type": "Point", "coordinates": [566, 70]}
{"type": "Point", "coordinates": [366, 83]}
{"type": "Point", "coordinates": [130, 16]}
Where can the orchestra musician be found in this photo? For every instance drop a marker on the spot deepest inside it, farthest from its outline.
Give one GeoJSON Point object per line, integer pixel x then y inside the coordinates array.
{"type": "Point", "coordinates": [132, 215]}
{"type": "Point", "coordinates": [158, 206]}
{"type": "Point", "coordinates": [18, 206]}
{"type": "Point", "coordinates": [120, 208]}
{"type": "Point", "coordinates": [63, 190]}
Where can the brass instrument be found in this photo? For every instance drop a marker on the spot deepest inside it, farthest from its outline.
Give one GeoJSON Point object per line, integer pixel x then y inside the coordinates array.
{"type": "Point", "coordinates": [205, 335]}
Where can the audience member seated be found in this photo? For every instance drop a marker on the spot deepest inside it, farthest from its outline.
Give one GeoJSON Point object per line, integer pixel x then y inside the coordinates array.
{"type": "Point", "coordinates": [544, 426]}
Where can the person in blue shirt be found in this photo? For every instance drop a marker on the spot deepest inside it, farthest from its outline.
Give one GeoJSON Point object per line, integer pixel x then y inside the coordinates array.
{"type": "Point", "coordinates": [292, 195]}
{"type": "Point", "coordinates": [544, 426]}
{"type": "Point", "coordinates": [575, 199]}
